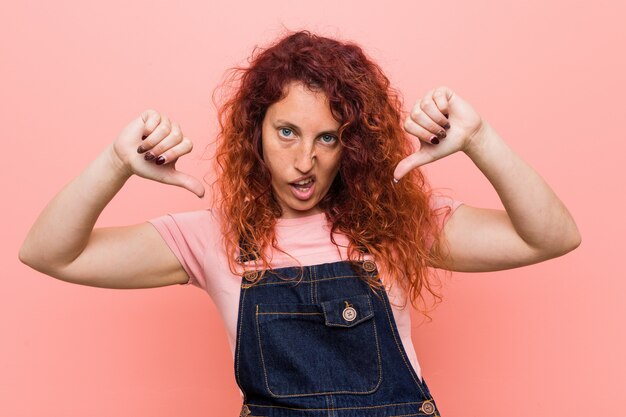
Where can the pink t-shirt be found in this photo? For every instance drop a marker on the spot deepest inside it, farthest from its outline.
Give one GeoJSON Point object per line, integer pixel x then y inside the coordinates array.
{"type": "Point", "coordinates": [195, 238]}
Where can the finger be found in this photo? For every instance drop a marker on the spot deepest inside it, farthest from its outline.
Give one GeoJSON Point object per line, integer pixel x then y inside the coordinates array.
{"type": "Point", "coordinates": [417, 130]}
{"type": "Point", "coordinates": [420, 116]}
{"type": "Point", "coordinates": [170, 154]}
{"type": "Point", "coordinates": [158, 134]}
{"type": "Point", "coordinates": [180, 179]}
{"type": "Point", "coordinates": [432, 107]}
{"type": "Point", "coordinates": [174, 138]}
{"type": "Point", "coordinates": [412, 161]}
{"type": "Point", "coordinates": [441, 99]}
{"type": "Point", "coordinates": [151, 119]}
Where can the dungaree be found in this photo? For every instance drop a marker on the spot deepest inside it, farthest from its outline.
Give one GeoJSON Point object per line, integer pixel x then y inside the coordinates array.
{"type": "Point", "coordinates": [322, 344]}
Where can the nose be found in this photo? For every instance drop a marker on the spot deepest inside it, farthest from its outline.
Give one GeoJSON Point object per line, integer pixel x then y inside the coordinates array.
{"type": "Point", "coordinates": [305, 157]}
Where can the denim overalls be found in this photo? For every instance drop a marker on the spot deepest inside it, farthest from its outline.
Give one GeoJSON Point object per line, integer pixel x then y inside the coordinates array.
{"type": "Point", "coordinates": [323, 345]}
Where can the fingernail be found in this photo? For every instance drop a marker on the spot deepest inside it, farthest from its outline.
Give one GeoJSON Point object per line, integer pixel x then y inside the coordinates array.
{"type": "Point", "coordinates": [143, 137]}
{"type": "Point", "coordinates": [447, 126]}
{"type": "Point", "coordinates": [140, 149]}
{"type": "Point", "coordinates": [160, 160]}
{"type": "Point", "coordinates": [149, 156]}
{"type": "Point", "coordinates": [445, 115]}
{"type": "Point", "coordinates": [434, 140]}
{"type": "Point", "coordinates": [395, 181]}
{"type": "Point", "coordinates": [441, 134]}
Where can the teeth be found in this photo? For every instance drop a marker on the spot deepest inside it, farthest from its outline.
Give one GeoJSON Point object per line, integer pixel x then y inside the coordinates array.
{"type": "Point", "coordinates": [303, 182]}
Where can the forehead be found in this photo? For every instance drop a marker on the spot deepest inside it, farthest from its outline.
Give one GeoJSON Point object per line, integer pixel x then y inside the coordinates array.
{"type": "Point", "coordinates": [303, 107]}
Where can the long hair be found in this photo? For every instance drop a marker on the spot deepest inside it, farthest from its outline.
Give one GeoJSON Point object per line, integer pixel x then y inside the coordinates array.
{"type": "Point", "coordinates": [391, 222]}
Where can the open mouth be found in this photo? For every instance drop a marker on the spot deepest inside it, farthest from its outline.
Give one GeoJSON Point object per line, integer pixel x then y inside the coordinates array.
{"type": "Point", "coordinates": [304, 184]}
{"type": "Point", "coordinates": [303, 190]}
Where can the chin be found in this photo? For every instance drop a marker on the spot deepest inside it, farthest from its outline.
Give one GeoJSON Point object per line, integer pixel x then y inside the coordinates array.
{"type": "Point", "coordinates": [298, 210]}
{"type": "Point", "coordinates": [301, 209]}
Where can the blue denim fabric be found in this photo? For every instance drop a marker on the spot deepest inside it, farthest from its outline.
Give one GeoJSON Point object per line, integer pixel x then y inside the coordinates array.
{"type": "Point", "coordinates": [323, 344]}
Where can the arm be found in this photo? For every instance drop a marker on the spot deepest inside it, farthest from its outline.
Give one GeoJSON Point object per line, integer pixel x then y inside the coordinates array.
{"type": "Point", "coordinates": [535, 226]}
{"type": "Point", "coordinates": [62, 242]}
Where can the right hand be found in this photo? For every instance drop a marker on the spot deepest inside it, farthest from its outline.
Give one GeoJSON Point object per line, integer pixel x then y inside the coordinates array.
{"type": "Point", "coordinates": [159, 138]}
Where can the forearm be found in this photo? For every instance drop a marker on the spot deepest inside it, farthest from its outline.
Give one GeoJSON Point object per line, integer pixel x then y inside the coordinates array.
{"type": "Point", "coordinates": [62, 230]}
{"type": "Point", "coordinates": [538, 215]}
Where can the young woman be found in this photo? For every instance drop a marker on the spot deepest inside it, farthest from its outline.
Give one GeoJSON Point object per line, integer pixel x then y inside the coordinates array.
{"type": "Point", "coordinates": [323, 226]}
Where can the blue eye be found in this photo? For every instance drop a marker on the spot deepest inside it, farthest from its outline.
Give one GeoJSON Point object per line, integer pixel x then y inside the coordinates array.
{"type": "Point", "coordinates": [283, 129]}
{"type": "Point", "coordinates": [329, 138]}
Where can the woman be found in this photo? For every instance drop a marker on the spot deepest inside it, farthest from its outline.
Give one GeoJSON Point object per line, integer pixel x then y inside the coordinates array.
{"type": "Point", "coordinates": [322, 226]}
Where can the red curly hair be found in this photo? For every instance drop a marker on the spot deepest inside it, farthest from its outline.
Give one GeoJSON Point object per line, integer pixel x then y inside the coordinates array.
{"type": "Point", "coordinates": [391, 222]}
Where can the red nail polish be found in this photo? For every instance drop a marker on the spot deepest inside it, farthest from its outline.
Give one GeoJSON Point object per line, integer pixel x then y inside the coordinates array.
{"type": "Point", "coordinates": [434, 140]}
{"type": "Point", "coordinates": [149, 156]}
{"type": "Point", "coordinates": [160, 160]}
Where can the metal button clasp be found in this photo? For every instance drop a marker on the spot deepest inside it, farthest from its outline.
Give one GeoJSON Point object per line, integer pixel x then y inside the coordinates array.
{"type": "Point", "coordinates": [349, 313]}
{"type": "Point", "coordinates": [245, 411]}
{"type": "Point", "coordinates": [250, 275]}
{"type": "Point", "coordinates": [369, 266]}
{"type": "Point", "coordinates": [428, 407]}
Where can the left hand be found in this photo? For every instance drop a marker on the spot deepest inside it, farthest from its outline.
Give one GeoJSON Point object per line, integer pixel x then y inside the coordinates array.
{"type": "Point", "coordinates": [428, 120]}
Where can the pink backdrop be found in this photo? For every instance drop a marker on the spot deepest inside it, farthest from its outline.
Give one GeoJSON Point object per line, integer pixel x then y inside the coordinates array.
{"type": "Point", "coordinates": [544, 340]}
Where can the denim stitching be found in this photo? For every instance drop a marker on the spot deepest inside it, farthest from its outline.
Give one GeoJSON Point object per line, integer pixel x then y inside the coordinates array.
{"type": "Point", "coordinates": [411, 415]}
{"type": "Point", "coordinates": [380, 368]}
{"type": "Point", "coordinates": [408, 415]}
{"type": "Point", "coordinates": [285, 312]}
{"type": "Point", "coordinates": [339, 408]}
{"type": "Point", "coordinates": [421, 413]}
{"type": "Point", "coordinates": [243, 297]}
{"type": "Point", "coordinates": [380, 373]}
{"type": "Point", "coordinates": [328, 406]}
{"type": "Point", "coordinates": [258, 334]}
{"type": "Point", "coordinates": [259, 284]}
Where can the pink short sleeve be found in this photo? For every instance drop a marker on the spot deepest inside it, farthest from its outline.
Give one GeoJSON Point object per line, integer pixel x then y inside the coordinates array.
{"type": "Point", "coordinates": [185, 234]}
{"type": "Point", "coordinates": [444, 207]}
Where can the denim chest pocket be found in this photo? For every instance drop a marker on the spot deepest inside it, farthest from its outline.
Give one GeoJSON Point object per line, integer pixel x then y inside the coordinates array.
{"type": "Point", "coordinates": [326, 348]}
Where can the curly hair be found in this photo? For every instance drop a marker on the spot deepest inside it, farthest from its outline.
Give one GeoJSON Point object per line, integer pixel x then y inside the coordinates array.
{"type": "Point", "coordinates": [393, 223]}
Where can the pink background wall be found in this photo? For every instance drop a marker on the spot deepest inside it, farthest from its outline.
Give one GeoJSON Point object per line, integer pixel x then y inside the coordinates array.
{"type": "Point", "coordinates": [544, 340]}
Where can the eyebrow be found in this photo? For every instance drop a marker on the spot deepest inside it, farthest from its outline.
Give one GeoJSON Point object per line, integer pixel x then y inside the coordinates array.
{"type": "Point", "coordinates": [297, 129]}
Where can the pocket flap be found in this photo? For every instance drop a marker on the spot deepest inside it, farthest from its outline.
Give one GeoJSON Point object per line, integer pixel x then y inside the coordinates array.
{"type": "Point", "coordinates": [347, 311]}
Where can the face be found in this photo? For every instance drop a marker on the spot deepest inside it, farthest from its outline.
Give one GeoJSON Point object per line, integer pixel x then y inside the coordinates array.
{"type": "Point", "coordinates": [301, 148]}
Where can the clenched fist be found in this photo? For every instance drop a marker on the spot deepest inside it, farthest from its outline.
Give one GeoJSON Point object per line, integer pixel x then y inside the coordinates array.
{"type": "Point", "coordinates": [150, 145]}
{"type": "Point", "coordinates": [444, 123]}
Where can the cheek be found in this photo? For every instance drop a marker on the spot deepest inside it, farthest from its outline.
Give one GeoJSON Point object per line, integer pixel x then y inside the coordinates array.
{"type": "Point", "coordinates": [273, 162]}
{"type": "Point", "coordinates": [335, 165]}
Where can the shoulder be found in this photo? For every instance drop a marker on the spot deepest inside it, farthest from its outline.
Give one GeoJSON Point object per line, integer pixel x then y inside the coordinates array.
{"type": "Point", "coordinates": [196, 217]}
{"type": "Point", "coordinates": [198, 225]}
{"type": "Point", "coordinates": [193, 237]}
